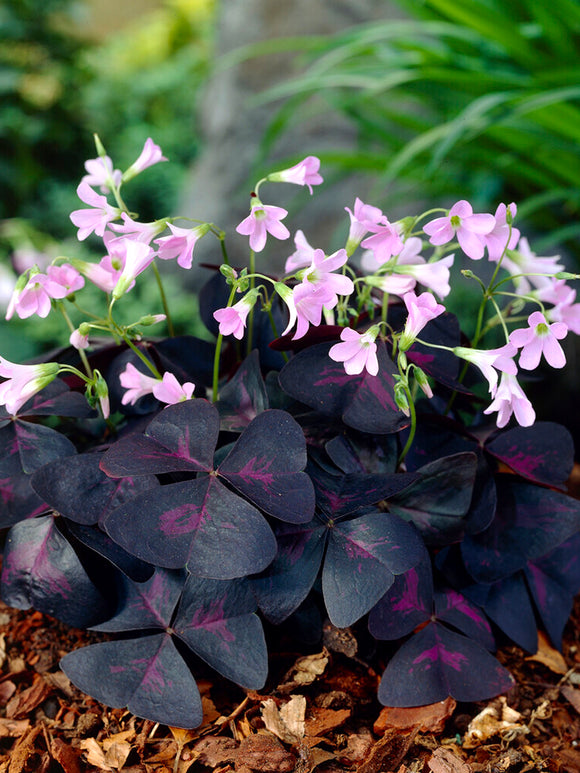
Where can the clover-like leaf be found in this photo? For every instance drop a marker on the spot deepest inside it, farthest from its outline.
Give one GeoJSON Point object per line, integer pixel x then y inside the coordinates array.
{"type": "Point", "coordinates": [33, 445]}
{"type": "Point", "coordinates": [244, 396]}
{"type": "Point", "coordinates": [407, 603]}
{"type": "Point", "coordinates": [436, 663]}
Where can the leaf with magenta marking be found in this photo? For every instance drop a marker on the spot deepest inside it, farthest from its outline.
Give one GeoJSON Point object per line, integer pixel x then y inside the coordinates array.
{"type": "Point", "coordinates": [244, 396]}
{"type": "Point", "coordinates": [33, 444]}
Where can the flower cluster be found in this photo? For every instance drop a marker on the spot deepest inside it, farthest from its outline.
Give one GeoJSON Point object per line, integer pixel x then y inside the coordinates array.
{"type": "Point", "coordinates": [383, 265]}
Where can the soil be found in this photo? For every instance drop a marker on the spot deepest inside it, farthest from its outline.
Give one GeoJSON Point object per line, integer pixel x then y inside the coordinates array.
{"type": "Point", "coordinates": [318, 712]}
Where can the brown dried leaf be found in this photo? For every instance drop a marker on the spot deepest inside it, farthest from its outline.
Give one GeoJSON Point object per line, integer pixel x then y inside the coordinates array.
{"type": "Point", "coordinates": [214, 751]}
{"type": "Point", "coordinates": [67, 757]}
{"type": "Point", "coordinates": [388, 752]}
{"type": "Point", "coordinates": [7, 690]}
{"type": "Point", "coordinates": [498, 719]}
{"type": "Point", "coordinates": [24, 749]}
{"type": "Point", "coordinates": [286, 722]}
{"type": "Point", "coordinates": [117, 753]}
{"type": "Point", "coordinates": [264, 752]}
{"type": "Point", "coordinates": [94, 755]}
{"type": "Point", "coordinates": [28, 699]}
{"type": "Point", "coordinates": [572, 695]}
{"type": "Point", "coordinates": [320, 721]}
{"type": "Point", "coordinates": [549, 656]}
{"type": "Point", "coordinates": [13, 728]}
{"type": "Point", "coordinates": [427, 719]}
{"type": "Point", "coordinates": [443, 760]}
{"type": "Point", "coordinates": [305, 671]}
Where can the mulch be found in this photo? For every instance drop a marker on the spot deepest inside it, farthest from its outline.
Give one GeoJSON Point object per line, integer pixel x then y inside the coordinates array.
{"type": "Point", "coordinates": [318, 712]}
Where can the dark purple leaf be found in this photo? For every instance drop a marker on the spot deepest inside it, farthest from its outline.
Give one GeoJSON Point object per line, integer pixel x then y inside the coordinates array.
{"type": "Point", "coordinates": [439, 501]}
{"type": "Point", "coordinates": [34, 445]}
{"type": "Point", "coordinates": [266, 465]}
{"type": "Point", "coordinates": [57, 399]}
{"type": "Point", "coordinates": [244, 396]}
{"type": "Point", "coordinates": [283, 586]}
{"type": "Point", "coordinates": [407, 604]}
{"type": "Point", "coordinates": [78, 489]}
{"type": "Point", "coordinates": [362, 558]}
{"type": "Point", "coordinates": [147, 675]}
{"type": "Point", "coordinates": [100, 543]}
{"type": "Point", "coordinates": [530, 521]}
{"type": "Point", "coordinates": [199, 524]}
{"type": "Point", "coordinates": [217, 620]}
{"type": "Point", "coordinates": [181, 437]}
{"type": "Point", "coordinates": [356, 452]}
{"type": "Point", "coordinates": [365, 402]}
{"type": "Point", "coordinates": [543, 453]}
{"type": "Point", "coordinates": [453, 608]}
{"type": "Point", "coordinates": [442, 365]}
{"type": "Point", "coordinates": [41, 570]}
{"type": "Point", "coordinates": [18, 500]}
{"type": "Point", "coordinates": [436, 663]}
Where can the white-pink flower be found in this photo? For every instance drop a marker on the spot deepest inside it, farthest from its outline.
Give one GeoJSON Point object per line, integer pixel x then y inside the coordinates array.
{"type": "Point", "coordinates": [104, 274]}
{"type": "Point", "coordinates": [539, 338]}
{"type": "Point", "coordinates": [180, 244]}
{"type": "Point", "coordinates": [434, 276]}
{"type": "Point", "coordinates": [510, 398]}
{"type": "Point", "coordinates": [170, 391]}
{"type": "Point", "coordinates": [489, 361]}
{"type": "Point", "coordinates": [461, 222]}
{"type": "Point", "coordinates": [421, 310]}
{"type": "Point", "coordinates": [232, 319]}
{"type": "Point", "coordinates": [303, 173]}
{"type": "Point", "coordinates": [358, 351]}
{"type": "Point", "coordinates": [101, 174]}
{"type": "Point", "coordinates": [392, 284]}
{"type": "Point", "coordinates": [136, 383]}
{"type": "Point", "coordinates": [302, 256]}
{"type": "Point", "coordinates": [384, 242]}
{"type": "Point", "coordinates": [361, 220]}
{"type": "Point", "coordinates": [496, 240]}
{"type": "Point", "coordinates": [137, 256]}
{"type": "Point", "coordinates": [141, 232]}
{"type": "Point", "coordinates": [524, 261]}
{"type": "Point", "coordinates": [262, 220]}
{"type": "Point", "coordinates": [23, 382]}
{"type": "Point", "coordinates": [36, 296]}
{"type": "Point", "coordinates": [409, 254]}
{"type": "Point", "coordinates": [79, 340]}
{"type": "Point", "coordinates": [150, 155]}
{"type": "Point", "coordinates": [97, 217]}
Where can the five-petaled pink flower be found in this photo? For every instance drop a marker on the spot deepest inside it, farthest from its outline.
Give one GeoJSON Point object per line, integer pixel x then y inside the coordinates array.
{"type": "Point", "coordinates": [434, 276]}
{"type": "Point", "coordinates": [137, 256]}
{"type": "Point", "coordinates": [384, 242]}
{"type": "Point", "coordinates": [263, 219]}
{"type": "Point", "coordinates": [540, 338]}
{"type": "Point", "coordinates": [303, 173]}
{"type": "Point", "coordinates": [95, 219]}
{"type": "Point", "coordinates": [463, 224]}
{"type": "Point", "coordinates": [489, 361]}
{"type": "Point", "coordinates": [23, 382]}
{"type": "Point", "coordinates": [422, 309]}
{"type": "Point", "coordinates": [150, 155]}
{"type": "Point", "coordinates": [136, 383]}
{"type": "Point", "coordinates": [358, 351]}
{"type": "Point", "coordinates": [140, 232]}
{"type": "Point", "coordinates": [500, 237]}
{"type": "Point", "coordinates": [510, 398]}
{"type": "Point", "coordinates": [361, 220]}
{"type": "Point", "coordinates": [302, 257]}
{"type": "Point", "coordinates": [232, 319]}
{"type": "Point", "coordinates": [170, 391]}
{"type": "Point", "coordinates": [101, 174]}
{"type": "Point", "coordinates": [180, 244]}
{"type": "Point", "coordinates": [40, 289]}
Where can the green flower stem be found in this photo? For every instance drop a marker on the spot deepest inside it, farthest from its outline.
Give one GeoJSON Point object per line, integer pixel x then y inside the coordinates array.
{"type": "Point", "coordinates": [218, 349]}
{"type": "Point", "coordinates": [413, 417]}
{"type": "Point", "coordinates": [81, 352]}
{"type": "Point", "coordinates": [251, 315]}
{"type": "Point", "coordinates": [144, 359]}
{"type": "Point", "coordinates": [163, 300]}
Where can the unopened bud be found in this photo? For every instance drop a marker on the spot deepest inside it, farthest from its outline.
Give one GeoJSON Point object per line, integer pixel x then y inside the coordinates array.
{"type": "Point", "coordinates": [151, 319]}
{"type": "Point", "coordinates": [423, 382]}
{"type": "Point", "coordinates": [401, 399]}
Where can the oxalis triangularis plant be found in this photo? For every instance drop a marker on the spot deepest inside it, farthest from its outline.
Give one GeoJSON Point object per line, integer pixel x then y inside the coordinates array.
{"type": "Point", "coordinates": [331, 455]}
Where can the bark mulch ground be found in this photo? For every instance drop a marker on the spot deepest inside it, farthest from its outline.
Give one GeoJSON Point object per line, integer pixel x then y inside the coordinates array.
{"type": "Point", "coordinates": [319, 712]}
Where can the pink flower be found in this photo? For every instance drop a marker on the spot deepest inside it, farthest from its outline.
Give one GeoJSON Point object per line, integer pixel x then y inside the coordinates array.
{"type": "Point", "coordinates": [409, 254]}
{"type": "Point", "coordinates": [463, 224]}
{"type": "Point", "coordinates": [136, 383]}
{"type": "Point", "coordinates": [23, 382]}
{"type": "Point", "coordinates": [150, 155]}
{"type": "Point", "coordinates": [170, 391]}
{"type": "Point", "coordinates": [101, 174]}
{"type": "Point", "coordinates": [104, 274]}
{"type": "Point", "coordinates": [510, 398]}
{"type": "Point", "coordinates": [141, 232]}
{"type": "Point", "coordinates": [304, 173]}
{"type": "Point", "coordinates": [180, 244]}
{"type": "Point", "coordinates": [357, 351]}
{"type": "Point", "coordinates": [303, 255]}
{"type": "Point", "coordinates": [36, 296]}
{"type": "Point", "coordinates": [422, 309]}
{"type": "Point", "coordinates": [524, 261]}
{"type": "Point", "coordinates": [564, 309]}
{"type": "Point", "coordinates": [488, 360]}
{"type": "Point", "coordinates": [361, 220]}
{"type": "Point", "coordinates": [385, 241]}
{"type": "Point", "coordinates": [137, 257]}
{"type": "Point", "coordinates": [540, 338]}
{"type": "Point", "coordinates": [95, 219]}
{"type": "Point", "coordinates": [232, 319]}
{"type": "Point", "coordinates": [496, 240]}
{"type": "Point", "coordinates": [66, 276]}
{"type": "Point", "coordinates": [434, 276]}
{"type": "Point", "coordinates": [392, 284]}
{"type": "Point", "coordinates": [263, 219]}
{"type": "Point", "coordinates": [79, 340]}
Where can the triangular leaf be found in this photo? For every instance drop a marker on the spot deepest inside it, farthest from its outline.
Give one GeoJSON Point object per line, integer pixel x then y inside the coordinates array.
{"type": "Point", "coordinates": [407, 604]}
{"type": "Point", "coordinates": [453, 608]}
{"type": "Point", "coordinates": [37, 445]}
{"type": "Point", "coordinates": [244, 396]}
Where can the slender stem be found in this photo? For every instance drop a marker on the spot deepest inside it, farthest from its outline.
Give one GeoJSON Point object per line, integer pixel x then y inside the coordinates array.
{"type": "Point", "coordinates": [144, 359]}
{"type": "Point", "coordinates": [81, 352]}
{"type": "Point", "coordinates": [216, 358]}
{"type": "Point", "coordinates": [251, 316]}
{"type": "Point", "coordinates": [413, 416]}
{"type": "Point", "coordinates": [163, 300]}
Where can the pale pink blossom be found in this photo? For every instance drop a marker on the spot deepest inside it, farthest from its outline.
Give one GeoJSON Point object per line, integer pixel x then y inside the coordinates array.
{"type": "Point", "coordinates": [510, 398]}
{"type": "Point", "coordinates": [361, 220]}
{"type": "Point", "coordinates": [321, 272]}
{"type": "Point", "coordinates": [357, 351]}
{"type": "Point", "coordinates": [141, 232]}
{"type": "Point", "coordinates": [564, 309]}
{"type": "Point", "coordinates": [303, 173]}
{"type": "Point", "coordinates": [539, 338]}
{"type": "Point", "coordinates": [392, 284]}
{"type": "Point", "coordinates": [262, 220]}
{"type": "Point", "coordinates": [97, 217]}
{"type": "Point", "coordinates": [136, 383]}
{"type": "Point", "coordinates": [434, 276]}
{"type": "Point", "coordinates": [23, 382]}
{"type": "Point", "coordinates": [104, 274]}
{"type": "Point", "coordinates": [37, 295]}
{"type": "Point", "coordinates": [170, 391]}
{"type": "Point", "coordinates": [463, 224]}
{"type": "Point", "coordinates": [232, 319]}
{"type": "Point", "coordinates": [409, 254]}
{"type": "Point", "coordinates": [384, 242]}
{"type": "Point", "coordinates": [137, 257]}
{"type": "Point", "coordinates": [421, 310]}
{"type": "Point", "coordinates": [150, 155]}
{"type": "Point", "coordinates": [101, 174]}
{"type": "Point", "coordinates": [302, 256]}
{"type": "Point", "coordinates": [66, 276]}
{"type": "Point", "coordinates": [489, 361]}
{"type": "Point", "coordinates": [496, 240]}
{"type": "Point", "coordinates": [180, 244]}
{"type": "Point", "coordinates": [524, 261]}
{"type": "Point", "coordinates": [79, 340]}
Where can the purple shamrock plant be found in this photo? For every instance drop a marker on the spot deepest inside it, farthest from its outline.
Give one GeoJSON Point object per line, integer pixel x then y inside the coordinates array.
{"type": "Point", "coordinates": [332, 452]}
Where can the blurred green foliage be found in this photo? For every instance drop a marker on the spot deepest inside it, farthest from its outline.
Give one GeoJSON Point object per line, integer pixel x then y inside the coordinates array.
{"type": "Point", "coordinates": [477, 99]}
